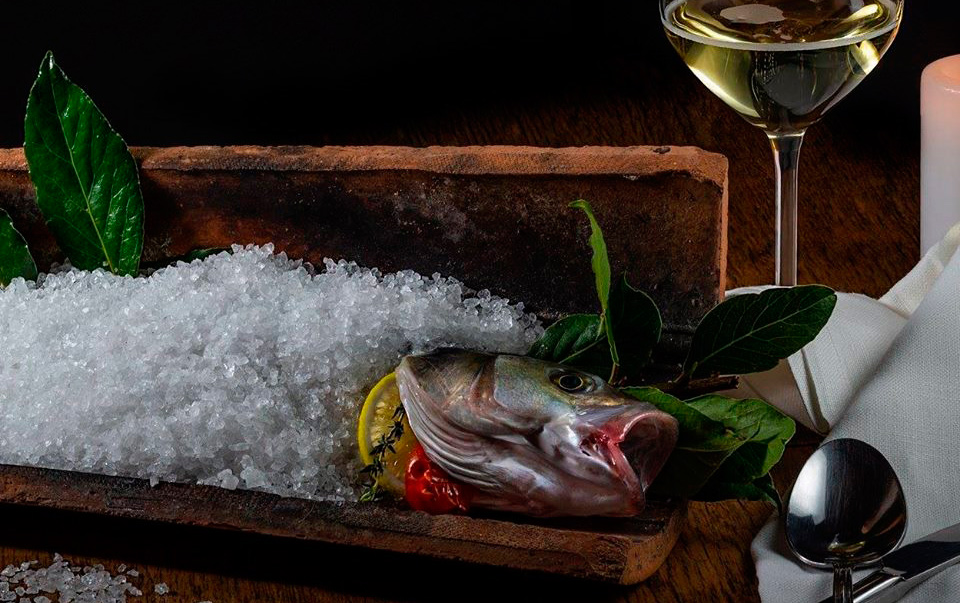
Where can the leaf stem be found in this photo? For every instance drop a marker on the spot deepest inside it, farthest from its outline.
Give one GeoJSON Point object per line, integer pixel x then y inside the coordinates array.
{"type": "Point", "coordinates": [685, 388]}
{"type": "Point", "coordinates": [614, 373]}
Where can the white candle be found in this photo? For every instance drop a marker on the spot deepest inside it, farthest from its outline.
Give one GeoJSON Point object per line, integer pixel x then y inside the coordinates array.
{"type": "Point", "coordinates": [940, 150]}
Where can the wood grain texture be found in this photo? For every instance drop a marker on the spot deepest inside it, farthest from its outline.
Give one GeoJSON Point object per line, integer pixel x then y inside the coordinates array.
{"type": "Point", "coordinates": [226, 567]}
{"type": "Point", "coordinates": [467, 212]}
{"type": "Point", "coordinates": [616, 550]}
{"type": "Point", "coordinates": [859, 209]}
{"type": "Point", "coordinates": [710, 563]}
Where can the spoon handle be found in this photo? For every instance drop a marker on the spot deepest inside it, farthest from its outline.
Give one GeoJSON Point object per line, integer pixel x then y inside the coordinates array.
{"type": "Point", "coordinates": [842, 584]}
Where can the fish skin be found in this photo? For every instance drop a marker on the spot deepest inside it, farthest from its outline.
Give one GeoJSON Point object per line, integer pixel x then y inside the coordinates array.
{"type": "Point", "coordinates": [503, 424]}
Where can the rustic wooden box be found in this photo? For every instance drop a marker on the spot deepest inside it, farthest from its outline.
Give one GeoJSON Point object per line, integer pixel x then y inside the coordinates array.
{"type": "Point", "coordinates": [494, 217]}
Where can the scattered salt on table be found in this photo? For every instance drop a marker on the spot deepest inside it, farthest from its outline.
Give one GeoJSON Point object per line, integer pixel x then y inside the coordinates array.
{"type": "Point", "coordinates": [241, 371]}
{"type": "Point", "coordinates": [69, 582]}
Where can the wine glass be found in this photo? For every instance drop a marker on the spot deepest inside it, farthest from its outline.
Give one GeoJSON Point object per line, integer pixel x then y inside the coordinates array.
{"type": "Point", "coordinates": [781, 64]}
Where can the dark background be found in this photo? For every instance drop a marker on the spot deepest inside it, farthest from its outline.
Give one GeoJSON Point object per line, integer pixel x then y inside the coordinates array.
{"type": "Point", "coordinates": [457, 73]}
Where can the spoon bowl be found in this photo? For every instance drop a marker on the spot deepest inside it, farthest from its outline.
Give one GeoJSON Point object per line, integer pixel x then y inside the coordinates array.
{"type": "Point", "coordinates": [846, 509]}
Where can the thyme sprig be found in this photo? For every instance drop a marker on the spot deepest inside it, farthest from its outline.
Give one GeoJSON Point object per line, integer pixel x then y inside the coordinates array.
{"type": "Point", "coordinates": [385, 443]}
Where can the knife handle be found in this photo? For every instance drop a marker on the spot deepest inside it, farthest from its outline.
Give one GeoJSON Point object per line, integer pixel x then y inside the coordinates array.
{"type": "Point", "coordinates": [878, 587]}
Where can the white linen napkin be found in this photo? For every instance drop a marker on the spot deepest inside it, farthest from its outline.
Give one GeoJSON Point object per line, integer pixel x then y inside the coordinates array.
{"type": "Point", "coordinates": [886, 372]}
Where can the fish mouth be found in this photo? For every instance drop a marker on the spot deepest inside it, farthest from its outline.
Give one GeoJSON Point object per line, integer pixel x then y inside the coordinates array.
{"type": "Point", "coordinates": [635, 444]}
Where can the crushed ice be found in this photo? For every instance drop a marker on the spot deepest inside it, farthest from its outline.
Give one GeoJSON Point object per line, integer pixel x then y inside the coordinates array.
{"type": "Point", "coordinates": [241, 371]}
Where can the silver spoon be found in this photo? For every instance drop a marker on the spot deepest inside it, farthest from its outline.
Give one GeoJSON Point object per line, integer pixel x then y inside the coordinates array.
{"type": "Point", "coordinates": [846, 509]}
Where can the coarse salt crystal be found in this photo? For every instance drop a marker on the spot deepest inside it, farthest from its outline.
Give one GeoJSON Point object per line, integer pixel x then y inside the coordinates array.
{"type": "Point", "coordinates": [91, 584]}
{"type": "Point", "coordinates": [243, 370]}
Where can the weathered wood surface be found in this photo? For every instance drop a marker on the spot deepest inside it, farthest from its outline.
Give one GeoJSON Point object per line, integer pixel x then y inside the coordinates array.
{"type": "Point", "coordinates": [709, 563]}
{"type": "Point", "coordinates": [494, 217]}
{"type": "Point", "coordinates": [623, 551]}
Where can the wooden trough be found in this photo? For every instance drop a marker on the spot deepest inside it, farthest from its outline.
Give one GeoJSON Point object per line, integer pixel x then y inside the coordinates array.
{"type": "Point", "coordinates": [494, 217]}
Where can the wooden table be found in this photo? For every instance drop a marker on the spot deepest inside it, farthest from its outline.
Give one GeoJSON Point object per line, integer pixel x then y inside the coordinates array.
{"type": "Point", "coordinates": [607, 83]}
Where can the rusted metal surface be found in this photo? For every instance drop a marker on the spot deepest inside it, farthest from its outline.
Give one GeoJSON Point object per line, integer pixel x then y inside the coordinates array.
{"type": "Point", "coordinates": [495, 217]}
{"type": "Point", "coordinates": [624, 551]}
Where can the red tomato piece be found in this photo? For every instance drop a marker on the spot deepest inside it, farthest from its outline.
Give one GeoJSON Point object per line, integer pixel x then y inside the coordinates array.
{"type": "Point", "coordinates": [430, 489]}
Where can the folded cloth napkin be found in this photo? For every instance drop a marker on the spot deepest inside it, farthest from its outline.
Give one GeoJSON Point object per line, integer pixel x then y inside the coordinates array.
{"type": "Point", "coordinates": [886, 372]}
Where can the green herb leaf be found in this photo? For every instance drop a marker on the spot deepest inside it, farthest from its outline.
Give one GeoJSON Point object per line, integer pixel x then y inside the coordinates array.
{"type": "Point", "coordinates": [601, 273]}
{"type": "Point", "coordinates": [569, 338]}
{"type": "Point", "coordinates": [752, 332]}
{"type": "Point", "coordinates": [86, 180]}
{"type": "Point", "coordinates": [636, 324]}
{"type": "Point", "coordinates": [725, 448]}
{"type": "Point", "coordinates": [15, 258]}
{"type": "Point", "coordinates": [374, 470]}
{"type": "Point", "coordinates": [769, 431]}
{"type": "Point", "coordinates": [702, 446]}
{"type": "Point", "coordinates": [697, 431]}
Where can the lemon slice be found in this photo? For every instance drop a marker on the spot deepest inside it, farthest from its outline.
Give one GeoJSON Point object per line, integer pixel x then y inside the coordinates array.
{"type": "Point", "coordinates": [376, 419]}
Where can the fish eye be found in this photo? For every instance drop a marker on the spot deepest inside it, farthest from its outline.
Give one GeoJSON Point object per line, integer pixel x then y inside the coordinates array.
{"type": "Point", "coordinates": [574, 383]}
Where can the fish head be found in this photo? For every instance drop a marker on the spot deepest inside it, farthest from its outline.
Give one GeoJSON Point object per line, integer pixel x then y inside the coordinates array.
{"type": "Point", "coordinates": [535, 436]}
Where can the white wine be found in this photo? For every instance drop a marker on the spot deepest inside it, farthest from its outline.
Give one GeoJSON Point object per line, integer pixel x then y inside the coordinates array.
{"type": "Point", "coordinates": [781, 63]}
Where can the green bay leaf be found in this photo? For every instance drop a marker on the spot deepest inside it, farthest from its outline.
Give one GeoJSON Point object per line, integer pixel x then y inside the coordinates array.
{"type": "Point", "coordinates": [753, 332]}
{"type": "Point", "coordinates": [703, 445]}
{"type": "Point", "coordinates": [569, 338]}
{"type": "Point", "coordinates": [725, 449]}
{"type": "Point", "coordinates": [601, 273]}
{"type": "Point", "coordinates": [86, 179]}
{"type": "Point", "coordinates": [765, 429]}
{"type": "Point", "coordinates": [636, 324]}
{"type": "Point", "coordinates": [15, 258]}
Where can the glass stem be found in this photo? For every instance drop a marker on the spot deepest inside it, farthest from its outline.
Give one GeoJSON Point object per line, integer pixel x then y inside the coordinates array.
{"type": "Point", "coordinates": [786, 155]}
